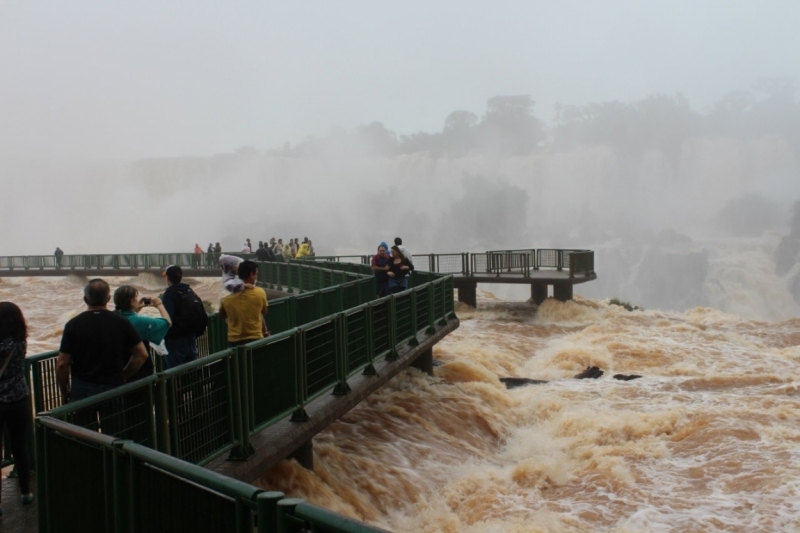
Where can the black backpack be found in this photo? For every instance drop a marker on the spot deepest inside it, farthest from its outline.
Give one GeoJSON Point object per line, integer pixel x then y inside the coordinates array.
{"type": "Point", "coordinates": [190, 314]}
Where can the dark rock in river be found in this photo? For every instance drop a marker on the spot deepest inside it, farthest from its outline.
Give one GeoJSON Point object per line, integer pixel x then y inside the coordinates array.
{"type": "Point", "coordinates": [512, 383]}
{"type": "Point", "coordinates": [591, 372]}
{"type": "Point", "coordinates": [628, 377]}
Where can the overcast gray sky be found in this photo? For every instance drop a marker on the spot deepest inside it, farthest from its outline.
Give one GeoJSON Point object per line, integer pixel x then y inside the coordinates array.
{"type": "Point", "coordinates": [106, 80]}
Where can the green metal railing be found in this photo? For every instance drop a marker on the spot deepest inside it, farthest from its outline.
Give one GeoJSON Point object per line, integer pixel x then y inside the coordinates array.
{"type": "Point", "coordinates": [496, 262]}
{"type": "Point", "coordinates": [323, 335]}
{"type": "Point", "coordinates": [286, 273]}
{"type": "Point", "coordinates": [124, 486]}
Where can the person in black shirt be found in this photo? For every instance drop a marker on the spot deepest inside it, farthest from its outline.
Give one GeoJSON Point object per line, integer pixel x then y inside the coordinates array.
{"type": "Point", "coordinates": [264, 254]}
{"type": "Point", "coordinates": [399, 268]}
{"type": "Point", "coordinates": [94, 346]}
{"type": "Point", "coordinates": [59, 253]}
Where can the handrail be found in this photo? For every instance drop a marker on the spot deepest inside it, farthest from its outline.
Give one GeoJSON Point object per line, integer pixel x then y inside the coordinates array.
{"type": "Point", "coordinates": [463, 263]}
{"type": "Point", "coordinates": [255, 509]}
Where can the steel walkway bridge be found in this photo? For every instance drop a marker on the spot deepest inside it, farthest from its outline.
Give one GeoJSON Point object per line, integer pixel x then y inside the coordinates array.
{"type": "Point", "coordinates": [539, 268]}
{"type": "Point", "coordinates": [178, 451]}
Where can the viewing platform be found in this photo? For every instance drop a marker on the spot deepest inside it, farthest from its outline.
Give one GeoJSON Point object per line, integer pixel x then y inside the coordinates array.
{"type": "Point", "coordinates": [181, 447]}
{"type": "Point", "coordinates": [177, 451]}
{"type": "Point", "coordinates": [539, 268]}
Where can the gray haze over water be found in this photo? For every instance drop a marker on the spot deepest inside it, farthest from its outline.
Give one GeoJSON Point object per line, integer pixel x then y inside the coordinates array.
{"type": "Point", "coordinates": [664, 135]}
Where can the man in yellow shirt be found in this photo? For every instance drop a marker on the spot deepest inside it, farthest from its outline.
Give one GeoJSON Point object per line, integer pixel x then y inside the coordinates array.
{"type": "Point", "coordinates": [245, 310]}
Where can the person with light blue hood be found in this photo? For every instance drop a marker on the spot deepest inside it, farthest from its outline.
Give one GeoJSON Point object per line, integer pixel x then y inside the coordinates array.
{"type": "Point", "coordinates": [380, 265]}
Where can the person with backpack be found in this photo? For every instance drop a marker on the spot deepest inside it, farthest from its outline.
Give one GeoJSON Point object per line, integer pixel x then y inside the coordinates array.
{"type": "Point", "coordinates": [188, 315]}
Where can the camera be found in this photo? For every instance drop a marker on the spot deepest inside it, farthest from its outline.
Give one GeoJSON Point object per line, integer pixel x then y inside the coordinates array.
{"type": "Point", "coordinates": [147, 301]}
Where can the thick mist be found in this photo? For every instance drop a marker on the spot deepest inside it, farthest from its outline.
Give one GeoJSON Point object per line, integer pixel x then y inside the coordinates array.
{"type": "Point", "coordinates": [662, 136]}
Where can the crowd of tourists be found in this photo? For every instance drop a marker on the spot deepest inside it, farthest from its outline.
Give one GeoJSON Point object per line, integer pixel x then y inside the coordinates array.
{"type": "Point", "coordinates": [271, 250]}
{"type": "Point", "coordinates": [392, 267]}
{"type": "Point", "coordinates": [103, 349]}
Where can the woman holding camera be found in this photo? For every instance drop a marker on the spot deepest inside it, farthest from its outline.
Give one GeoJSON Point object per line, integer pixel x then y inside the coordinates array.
{"type": "Point", "coordinates": [128, 304]}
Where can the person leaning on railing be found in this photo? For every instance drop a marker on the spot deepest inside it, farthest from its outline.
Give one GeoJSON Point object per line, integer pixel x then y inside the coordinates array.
{"type": "Point", "coordinates": [399, 268]}
{"type": "Point", "coordinates": [94, 347]}
{"type": "Point", "coordinates": [151, 330]}
{"type": "Point", "coordinates": [15, 397]}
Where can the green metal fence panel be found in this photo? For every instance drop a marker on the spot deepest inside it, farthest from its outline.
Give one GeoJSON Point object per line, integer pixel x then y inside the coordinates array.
{"type": "Point", "coordinates": [165, 502]}
{"type": "Point", "coordinates": [295, 276]}
{"type": "Point", "coordinates": [424, 320]}
{"type": "Point", "coordinates": [403, 319]}
{"type": "Point", "coordinates": [307, 307]}
{"type": "Point", "coordinates": [41, 372]}
{"type": "Point", "coordinates": [217, 335]}
{"type": "Point", "coordinates": [357, 339]}
{"type": "Point", "coordinates": [74, 483]}
{"type": "Point", "coordinates": [127, 412]}
{"type": "Point", "coordinates": [320, 348]}
{"type": "Point", "coordinates": [331, 301]}
{"type": "Point", "coordinates": [351, 295]}
{"type": "Point", "coordinates": [273, 374]}
{"type": "Point", "coordinates": [380, 328]}
{"type": "Point", "coordinates": [449, 303]}
{"type": "Point", "coordinates": [203, 418]}
{"type": "Point", "coordinates": [438, 300]}
{"type": "Point", "coordinates": [283, 275]}
{"type": "Point", "coordinates": [281, 315]}
{"type": "Point", "coordinates": [367, 290]}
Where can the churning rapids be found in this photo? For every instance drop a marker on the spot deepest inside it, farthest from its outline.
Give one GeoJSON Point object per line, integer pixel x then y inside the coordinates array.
{"type": "Point", "coordinates": [707, 440]}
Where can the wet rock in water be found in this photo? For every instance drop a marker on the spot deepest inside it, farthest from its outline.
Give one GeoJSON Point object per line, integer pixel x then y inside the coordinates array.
{"type": "Point", "coordinates": [512, 383]}
{"type": "Point", "coordinates": [591, 372]}
{"type": "Point", "coordinates": [437, 362]}
{"type": "Point", "coordinates": [623, 377]}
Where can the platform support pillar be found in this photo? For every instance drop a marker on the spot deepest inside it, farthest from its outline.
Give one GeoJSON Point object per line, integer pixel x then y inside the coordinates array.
{"type": "Point", "coordinates": [305, 455]}
{"type": "Point", "coordinates": [538, 292]}
{"type": "Point", "coordinates": [468, 293]}
{"type": "Point", "coordinates": [424, 362]}
{"type": "Point", "coordinates": [562, 292]}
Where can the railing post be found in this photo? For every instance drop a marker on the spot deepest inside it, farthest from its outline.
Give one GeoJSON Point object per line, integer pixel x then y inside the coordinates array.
{"type": "Point", "coordinates": [560, 260]}
{"type": "Point", "coordinates": [42, 482]}
{"type": "Point", "coordinates": [301, 386]}
{"type": "Point", "coordinates": [369, 338]}
{"type": "Point", "coordinates": [285, 521]}
{"type": "Point", "coordinates": [414, 341]}
{"type": "Point", "coordinates": [340, 347]}
{"type": "Point", "coordinates": [392, 312]}
{"type": "Point", "coordinates": [244, 374]}
{"type": "Point", "coordinates": [239, 452]}
{"type": "Point", "coordinates": [121, 466]}
{"type": "Point", "coordinates": [267, 510]}
{"type": "Point", "coordinates": [431, 321]}
{"type": "Point", "coordinates": [162, 415]}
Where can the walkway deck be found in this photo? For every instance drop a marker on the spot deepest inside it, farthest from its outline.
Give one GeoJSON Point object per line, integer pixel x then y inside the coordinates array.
{"type": "Point", "coordinates": [278, 441]}
{"type": "Point", "coordinates": [17, 518]}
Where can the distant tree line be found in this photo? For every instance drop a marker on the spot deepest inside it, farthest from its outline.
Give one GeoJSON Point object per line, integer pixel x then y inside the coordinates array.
{"type": "Point", "coordinates": [509, 127]}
